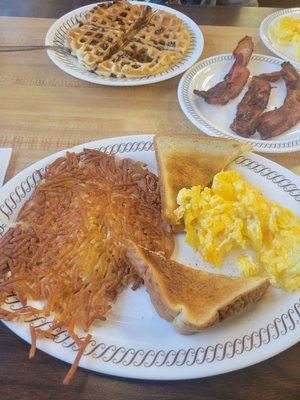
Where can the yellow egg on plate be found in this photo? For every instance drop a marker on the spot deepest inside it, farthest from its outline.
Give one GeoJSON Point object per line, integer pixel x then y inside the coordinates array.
{"type": "Point", "coordinates": [287, 30]}
{"type": "Point", "coordinates": [233, 214]}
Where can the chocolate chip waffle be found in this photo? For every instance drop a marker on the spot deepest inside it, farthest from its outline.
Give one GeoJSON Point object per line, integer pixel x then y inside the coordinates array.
{"type": "Point", "coordinates": [92, 44]}
{"type": "Point", "coordinates": [136, 60]}
{"type": "Point", "coordinates": [124, 40]}
{"type": "Point", "coordinates": [120, 15]}
{"type": "Point", "coordinates": [165, 32]}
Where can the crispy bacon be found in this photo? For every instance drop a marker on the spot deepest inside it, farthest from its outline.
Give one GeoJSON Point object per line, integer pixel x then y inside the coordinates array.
{"type": "Point", "coordinates": [235, 80]}
{"type": "Point", "coordinates": [272, 76]}
{"type": "Point", "coordinates": [253, 104]}
{"type": "Point", "coordinates": [275, 122]}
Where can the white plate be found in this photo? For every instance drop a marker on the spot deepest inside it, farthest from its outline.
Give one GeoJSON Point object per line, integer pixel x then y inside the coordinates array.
{"type": "Point", "coordinates": [215, 120]}
{"type": "Point", "coordinates": [135, 342]}
{"type": "Point", "coordinates": [57, 36]}
{"type": "Point", "coordinates": [265, 32]}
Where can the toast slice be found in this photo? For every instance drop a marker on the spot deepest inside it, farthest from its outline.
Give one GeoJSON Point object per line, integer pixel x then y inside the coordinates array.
{"type": "Point", "coordinates": [192, 299]}
{"type": "Point", "coordinates": [189, 160]}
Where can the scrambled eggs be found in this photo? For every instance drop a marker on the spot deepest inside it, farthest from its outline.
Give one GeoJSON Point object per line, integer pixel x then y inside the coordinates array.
{"type": "Point", "coordinates": [287, 30]}
{"type": "Point", "coordinates": [234, 214]}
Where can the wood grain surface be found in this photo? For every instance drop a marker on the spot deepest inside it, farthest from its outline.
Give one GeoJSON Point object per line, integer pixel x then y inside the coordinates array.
{"type": "Point", "coordinates": [44, 110]}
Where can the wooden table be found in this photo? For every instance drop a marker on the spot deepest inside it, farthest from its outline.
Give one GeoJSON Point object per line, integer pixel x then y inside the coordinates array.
{"type": "Point", "coordinates": [44, 110]}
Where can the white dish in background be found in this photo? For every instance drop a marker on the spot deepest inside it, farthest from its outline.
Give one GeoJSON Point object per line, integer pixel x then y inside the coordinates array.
{"type": "Point", "coordinates": [265, 32]}
{"type": "Point", "coordinates": [134, 341]}
{"type": "Point", "coordinates": [215, 120]}
{"type": "Point", "coordinates": [56, 36]}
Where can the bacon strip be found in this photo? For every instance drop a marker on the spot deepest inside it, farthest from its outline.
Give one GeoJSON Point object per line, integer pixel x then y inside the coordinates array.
{"type": "Point", "coordinates": [235, 80]}
{"type": "Point", "coordinates": [253, 104]}
{"type": "Point", "coordinates": [275, 122]}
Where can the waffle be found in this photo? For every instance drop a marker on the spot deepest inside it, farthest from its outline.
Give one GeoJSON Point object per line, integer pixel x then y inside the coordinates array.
{"type": "Point", "coordinates": [91, 44]}
{"type": "Point", "coordinates": [119, 15]}
{"type": "Point", "coordinates": [165, 32]}
{"type": "Point", "coordinates": [124, 40]}
{"type": "Point", "coordinates": [135, 61]}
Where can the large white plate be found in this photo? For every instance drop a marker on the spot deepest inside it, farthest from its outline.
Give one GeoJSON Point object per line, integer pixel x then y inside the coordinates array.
{"type": "Point", "coordinates": [215, 120]}
{"type": "Point", "coordinates": [57, 36]}
{"type": "Point", "coordinates": [135, 342]}
{"type": "Point", "coordinates": [265, 32]}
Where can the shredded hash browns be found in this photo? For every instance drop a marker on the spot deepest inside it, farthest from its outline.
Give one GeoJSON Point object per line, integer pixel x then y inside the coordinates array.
{"type": "Point", "coordinates": [66, 247]}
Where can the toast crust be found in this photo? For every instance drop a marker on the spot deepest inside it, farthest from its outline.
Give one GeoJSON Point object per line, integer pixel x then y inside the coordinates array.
{"type": "Point", "coordinates": [192, 299]}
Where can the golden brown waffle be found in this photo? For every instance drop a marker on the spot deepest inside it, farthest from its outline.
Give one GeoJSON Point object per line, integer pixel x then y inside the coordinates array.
{"type": "Point", "coordinates": [165, 32]}
{"type": "Point", "coordinates": [91, 44]}
{"type": "Point", "coordinates": [119, 15]}
{"type": "Point", "coordinates": [135, 61]}
{"type": "Point", "coordinates": [124, 40]}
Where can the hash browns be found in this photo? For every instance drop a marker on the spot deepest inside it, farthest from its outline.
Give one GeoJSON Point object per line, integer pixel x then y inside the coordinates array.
{"type": "Point", "coordinates": [66, 248]}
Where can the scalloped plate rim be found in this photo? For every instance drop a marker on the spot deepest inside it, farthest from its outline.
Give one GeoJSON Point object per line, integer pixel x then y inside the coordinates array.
{"type": "Point", "coordinates": [210, 130]}
{"type": "Point", "coordinates": [164, 373]}
{"type": "Point", "coordinates": [178, 68]}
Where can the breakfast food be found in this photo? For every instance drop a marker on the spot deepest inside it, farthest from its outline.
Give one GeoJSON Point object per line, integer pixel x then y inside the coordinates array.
{"type": "Point", "coordinates": [153, 49]}
{"type": "Point", "coordinates": [287, 30]}
{"type": "Point", "coordinates": [193, 300]}
{"type": "Point", "coordinates": [125, 40]}
{"type": "Point", "coordinates": [186, 160]}
{"type": "Point", "coordinates": [119, 15]}
{"type": "Point", "coordinates": [92, 44]}
{"type": "Point", "coordinates": [233, 214]}
{"type": "Point", "coordinates": [253, 104]}
{"type": "Point", "coordinates": [64, 249]}
{"type": "Point", "coordinates": [93, 225]}
{"type": "Point", "coordinates": [275, 122]}
{"type": "Point", "coordinates": [249, 117]}
{"type": "Point", "coordinates": [236, 78]}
